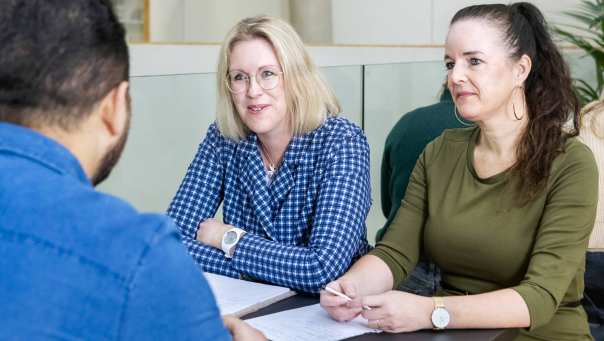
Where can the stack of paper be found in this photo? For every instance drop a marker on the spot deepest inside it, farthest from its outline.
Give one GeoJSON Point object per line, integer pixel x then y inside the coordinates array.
{"type": "Point", "coordinates": [308, 323]}
{"type": "Point", "coordinates": [238, 297]}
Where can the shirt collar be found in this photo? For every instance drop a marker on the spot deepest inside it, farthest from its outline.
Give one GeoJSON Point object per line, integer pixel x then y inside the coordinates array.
{"type": "Point", "coordinates": [39, 148]}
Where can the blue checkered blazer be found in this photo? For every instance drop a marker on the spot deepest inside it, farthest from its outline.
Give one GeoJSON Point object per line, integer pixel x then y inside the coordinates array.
{"type": "Point", "coordinates": [305, 229]}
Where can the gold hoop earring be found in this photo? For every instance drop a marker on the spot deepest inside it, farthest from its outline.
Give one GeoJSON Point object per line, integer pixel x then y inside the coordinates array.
{"type": "Point", "coordinates": [516, 115]}
{"type": "Point", "coordinates": [523, 100]}
{"type": "Point", "coordinates": [464, 123]}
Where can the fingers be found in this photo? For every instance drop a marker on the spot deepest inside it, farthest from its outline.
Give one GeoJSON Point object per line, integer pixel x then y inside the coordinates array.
{"type": "Point", "coordinates": [230, 322]}
{"type": "Point", "coordinates": [335, 285]}
{"type": "Point", "coordinates": [241, 331]}
{"type": "Point", "coordinates": [392, 312]}
{"type": "Point", "coordinates": [384, 324]}
{"type": "Point", "coordinates": [343, 314]}
{"type": "Point", "coordinates": [210, 232]}
{"type": "Point", "coordinates": [376, 313]}
{"type": "Point", "coordinates": [331, 300]}
{"type": "Point", "coordinates": [378, 317]}
{"type": "Point", "coordinates": [374, 324]}
{"type": "Point", "coordinates": [338, 307]}
{"type": "Point", "coordinates": [344, 286]}
{"type": "Point", "coordinates": [198, 235]}
{"type": "Point", "coordinates": [381, 324]}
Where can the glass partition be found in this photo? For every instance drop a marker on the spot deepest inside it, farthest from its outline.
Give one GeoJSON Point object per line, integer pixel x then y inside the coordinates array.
{"type": "Point", "coordinates": [171, 114]}
{"type": "Point", "coordinates": [391, 90]}
{"type": "Point", "coordinates": [347, 83]}
{"type": "Point", "coordinates": [170, 117]}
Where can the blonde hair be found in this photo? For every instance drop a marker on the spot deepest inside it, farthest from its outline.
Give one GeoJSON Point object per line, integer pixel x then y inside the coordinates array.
{"type": "Point", "coordinates": [592, 116]}
{"type": "Point", "coordinates": [308, 97]}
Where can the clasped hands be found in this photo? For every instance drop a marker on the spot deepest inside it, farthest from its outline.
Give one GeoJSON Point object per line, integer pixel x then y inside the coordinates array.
{"type": "Point", "coordinates": [392, 311]}
{"type": "Point", "coordinates": [210, 232]}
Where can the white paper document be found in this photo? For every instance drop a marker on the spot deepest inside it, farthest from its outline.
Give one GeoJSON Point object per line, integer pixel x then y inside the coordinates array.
{"type": "Point", "coordinates": [308, 323]}
{"type": "Point", "coordinates": [238, 297]}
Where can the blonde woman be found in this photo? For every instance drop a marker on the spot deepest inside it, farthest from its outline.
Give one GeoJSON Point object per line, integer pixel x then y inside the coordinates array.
{"type": "Point", "coordinates": [293, 177]}
{"type": "Point", "coordinates": [592, 134]}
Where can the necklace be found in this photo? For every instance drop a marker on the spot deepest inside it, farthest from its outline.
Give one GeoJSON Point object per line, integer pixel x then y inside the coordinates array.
{"type": "Point", "coordinates": [271, 169]}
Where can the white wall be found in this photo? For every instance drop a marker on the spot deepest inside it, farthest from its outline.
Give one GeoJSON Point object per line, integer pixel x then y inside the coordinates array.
{"type": "Point", "coordinates": [166, 20]}
{"type": "Point", "coordinates": [312, 20]}
{"type": "Point", "coordinates": [205, 20]}
{"type": "Point", "coordinates": [376, 22]}
{"type": "Point", "coordinates": [210, 20]}
{"type": "Point", "coordinates": [405, 22]}
{"type": "Point", "coordinates": [382, 22]}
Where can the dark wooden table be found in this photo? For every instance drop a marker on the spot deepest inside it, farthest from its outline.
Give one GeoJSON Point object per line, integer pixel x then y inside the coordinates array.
{"type": "Point", "coordinates": [426, 335]}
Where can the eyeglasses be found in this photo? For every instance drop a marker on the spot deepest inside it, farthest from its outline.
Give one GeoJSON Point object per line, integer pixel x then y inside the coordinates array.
{"type": "Point", "coordinates": [266, 77]}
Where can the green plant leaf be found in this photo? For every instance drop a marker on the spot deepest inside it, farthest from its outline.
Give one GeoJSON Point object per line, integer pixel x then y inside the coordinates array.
{"type": "Point", "coordinates": [587, 35]}
{"type": "Point", "coordinates": [585, 92]}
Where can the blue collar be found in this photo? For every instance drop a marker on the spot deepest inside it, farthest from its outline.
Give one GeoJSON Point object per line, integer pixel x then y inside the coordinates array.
{"type": "Point", "coordinates": [36, 147]}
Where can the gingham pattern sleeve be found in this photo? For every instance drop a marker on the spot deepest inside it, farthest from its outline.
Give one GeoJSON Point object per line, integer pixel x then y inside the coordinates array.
{"type": "Point", "coordinates": [198, 198]}
{"type": "Point", "coordinates": [338, 230]}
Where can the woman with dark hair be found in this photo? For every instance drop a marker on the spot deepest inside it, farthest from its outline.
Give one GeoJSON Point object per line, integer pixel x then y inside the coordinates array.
{"type": "Point", "coordinates": [505, 208]}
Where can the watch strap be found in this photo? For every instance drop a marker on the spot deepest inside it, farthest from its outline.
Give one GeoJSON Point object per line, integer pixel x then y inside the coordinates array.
{"type": "Point", "coordinates": [227, 248]}
{"type": "Point", "coordinates": [439, 313]}
{"type": "Point", "coordinates": [439, 302]}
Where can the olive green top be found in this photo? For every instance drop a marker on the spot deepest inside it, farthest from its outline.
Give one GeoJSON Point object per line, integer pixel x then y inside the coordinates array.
{"type": "Point", "coordinates": [483, 240]}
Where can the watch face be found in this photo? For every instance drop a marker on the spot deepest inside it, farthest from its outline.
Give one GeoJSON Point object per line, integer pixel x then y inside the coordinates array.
{"type": "Point", "coordinates": [440, 318]}
{"type": "Point", "coordinates": [230, 237]}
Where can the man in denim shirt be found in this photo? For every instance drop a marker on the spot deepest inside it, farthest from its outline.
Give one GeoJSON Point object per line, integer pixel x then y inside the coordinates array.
{"type": "Point", "coordinates": [76, 263]}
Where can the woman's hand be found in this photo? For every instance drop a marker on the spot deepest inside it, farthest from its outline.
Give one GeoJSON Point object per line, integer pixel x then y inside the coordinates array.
{"type": "Point", "coordinates": [339, 308]}
{"type": "Point", "coordinates": [398, 311]}
{"type": "Point", "coordinates": [210, 232]}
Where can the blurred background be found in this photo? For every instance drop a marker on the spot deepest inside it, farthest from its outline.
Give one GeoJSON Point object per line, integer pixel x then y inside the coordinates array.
{"type": "Point", "coordinates": [319, 22]}
{"type": "Point", "coordinates": [382, 57]}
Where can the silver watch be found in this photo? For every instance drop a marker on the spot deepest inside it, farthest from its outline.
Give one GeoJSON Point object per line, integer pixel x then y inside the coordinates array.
{"type": "Point", "coordinates": [440, 315]}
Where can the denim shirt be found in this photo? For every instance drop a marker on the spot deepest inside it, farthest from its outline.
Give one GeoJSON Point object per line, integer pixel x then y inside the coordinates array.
{"type": "Point", "coordinates": [79, 264]}
{"type": "Point", "coordinates": [305, 228]}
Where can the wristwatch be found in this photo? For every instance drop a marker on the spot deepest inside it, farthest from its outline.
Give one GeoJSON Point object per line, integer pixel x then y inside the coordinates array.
{"type": "Point", "coordinates": [440, 316]}
{"type": "Point", "coordinates": [229, 239]}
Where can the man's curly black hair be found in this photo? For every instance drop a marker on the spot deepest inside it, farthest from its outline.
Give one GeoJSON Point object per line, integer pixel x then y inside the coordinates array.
{"type": "Point", "coordinates": [58, 58]}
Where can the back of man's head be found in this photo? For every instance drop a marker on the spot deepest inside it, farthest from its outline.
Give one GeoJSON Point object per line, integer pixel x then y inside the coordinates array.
{"type": "Point", "coordinates": [59, 58]}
